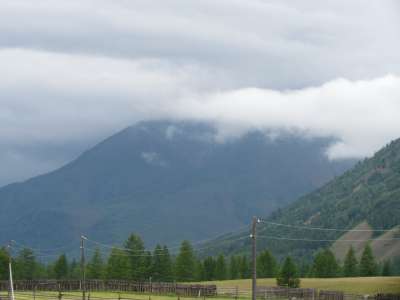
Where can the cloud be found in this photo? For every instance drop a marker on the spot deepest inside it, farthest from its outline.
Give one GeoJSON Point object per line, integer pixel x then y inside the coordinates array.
{"type": "Point", "coordinates": [74, 72]}
{"type": "Point", "coordinates": [272, 44]}
{"type": "Point", "coordinates": [73, 98]}
{"type": "Point", "coordinates": [362, 115]}
{"type": "Point", "coordinates": [153, 158]}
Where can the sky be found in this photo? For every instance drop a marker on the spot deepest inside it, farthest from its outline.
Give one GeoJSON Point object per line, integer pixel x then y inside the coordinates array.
{"type": "Point", "coordinates": [74, 72]}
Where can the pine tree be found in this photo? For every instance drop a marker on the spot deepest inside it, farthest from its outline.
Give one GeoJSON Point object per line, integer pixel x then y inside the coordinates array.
{"type": "Point", "coordinates": [95, 267]}
{"type": "Point", "coordinates": [209, 265]}
{"type": "Point", "coordinates": [266, 265]}
{"type": "Point", "coordinates": [325, 264]}
{"type": "Point", "coordinates": [396, 266]}
{"type": "Point", "coordinates": [200, 272]}
{"type": "Point", "coordinates": [25, 265]}
{"type": "Point", "coordinates": [220, 268]}
{"type": "Point", "coordinates": [146, 267]}
{"type": "Point", "coordinates": [3, 264]}
{"type": "Point", "coordinates": [350, 267]}
{"type": "Point", "coordinates": [368, 266]}
{"type": "Point", "coordinates": [61, 267]}
{"type": "Point", "coordinates": [167, 268]}
{"type": "Point", "coordinates": [118, 265]}
{"type": "Point", "coordinates": [386, 270]}
{"type": "Point", "coordinates": [244, 267]}
{"type": "Point", "coordinates": [157, 268]}
{"type": "Point", "coordinates": [288, 275]}
{"type": "Point", "coordinates": [185, 265]}
{"type": "Point", "coordinates": [304, 269]}
{"type": "Point", "coordinates": [234, 268]}
{"type": "Point", "coordinates": [136, 257]}
{"type": "Point", "coordinates": [74, 270]}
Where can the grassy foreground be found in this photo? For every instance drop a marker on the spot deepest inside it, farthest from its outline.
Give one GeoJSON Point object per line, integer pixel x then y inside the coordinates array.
{"type": "Point", "coordinates": [356, 285]}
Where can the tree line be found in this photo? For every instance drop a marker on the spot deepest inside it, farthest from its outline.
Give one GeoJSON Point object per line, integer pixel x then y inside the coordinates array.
{"type": "Point", "coordinates": [133, 262]}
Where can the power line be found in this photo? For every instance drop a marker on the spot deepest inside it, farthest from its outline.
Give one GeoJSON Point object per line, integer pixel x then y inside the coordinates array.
{"type": "Point", "coordinates": [144, 254]}
{"type": "Point", "coordinates": [22, 246]}
{"type": "Point", "coordinates": [328, 229]}
{"type": "Point", "coordinates": [240, 229]}
{"type": "Point", "coordinates": [323, 240]}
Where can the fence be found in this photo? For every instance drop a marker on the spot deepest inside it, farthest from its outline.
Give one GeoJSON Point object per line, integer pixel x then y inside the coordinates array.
{"type": "Point", "coordinates": [66, 290]}
{"type": "Point", "coordinates": [184, 290]}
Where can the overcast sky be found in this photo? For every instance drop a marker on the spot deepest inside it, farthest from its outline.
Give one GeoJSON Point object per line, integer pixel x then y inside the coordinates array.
{"type": "Point", "coordinates": [73, 72]}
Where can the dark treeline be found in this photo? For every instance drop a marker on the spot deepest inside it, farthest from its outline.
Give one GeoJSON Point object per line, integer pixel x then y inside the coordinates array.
{"type": "Point", "coordinates": [133, 262]}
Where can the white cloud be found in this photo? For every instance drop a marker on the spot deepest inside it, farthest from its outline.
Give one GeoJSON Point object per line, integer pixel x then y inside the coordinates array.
{"type": "Point", "coordinates": [60, 98]}
{"type": "Point", "coordinates": [153, 158]}
{"type": "Point", "coordinates": [362, 115]}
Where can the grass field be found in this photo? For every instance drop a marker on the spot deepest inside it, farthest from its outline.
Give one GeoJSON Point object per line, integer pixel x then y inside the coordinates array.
{"type": "Point", "coordinates": [357, 285]}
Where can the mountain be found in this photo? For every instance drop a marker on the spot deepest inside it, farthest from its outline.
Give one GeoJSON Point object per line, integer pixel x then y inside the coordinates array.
{"type": "Point", "coordinates": [363, 198]}
{"type": "Point", "coordinates": [166, 181]}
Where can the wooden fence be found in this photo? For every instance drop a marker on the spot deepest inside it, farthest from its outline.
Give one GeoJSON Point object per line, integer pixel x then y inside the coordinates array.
{"type": "Point", "coordinates": [188, 290]}
{"type": "Point", "coordinates": [185, 290]}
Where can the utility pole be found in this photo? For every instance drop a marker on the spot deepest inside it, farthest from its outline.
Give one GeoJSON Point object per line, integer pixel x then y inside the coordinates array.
{"type": "Point", "coordinates": [83, 278]}
{"type": "Point", "coordinates": [11, 291]}
{"type": "Point", "coordinates": [254, 258]}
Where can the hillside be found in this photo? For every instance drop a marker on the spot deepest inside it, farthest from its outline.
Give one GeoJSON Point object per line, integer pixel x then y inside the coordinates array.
{"type": "Point", "coordinates": [165, 181]}
{"type": "Point", "coordinates": [365, 197]}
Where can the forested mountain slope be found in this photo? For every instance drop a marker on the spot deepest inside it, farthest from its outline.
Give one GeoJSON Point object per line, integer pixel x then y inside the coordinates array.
{"type": "Point", "coordinates": [165, 181]}
{"type": "Point", "coordinates": [368, 195]}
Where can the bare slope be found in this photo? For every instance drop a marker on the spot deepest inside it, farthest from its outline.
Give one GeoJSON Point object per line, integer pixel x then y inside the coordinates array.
{"type": "Point", "coordinates": [382, 246]}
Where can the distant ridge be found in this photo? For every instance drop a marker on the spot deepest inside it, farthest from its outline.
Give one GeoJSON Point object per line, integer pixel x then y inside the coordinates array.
{"type": "Point", "coordinates": [166, 181]}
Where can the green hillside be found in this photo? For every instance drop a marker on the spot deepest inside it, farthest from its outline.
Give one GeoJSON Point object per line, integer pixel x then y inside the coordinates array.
{"type": "Point", "coordinates": [367, 194]}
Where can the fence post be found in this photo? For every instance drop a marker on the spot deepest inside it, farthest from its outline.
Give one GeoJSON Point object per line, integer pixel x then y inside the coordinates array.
{"type": "Point", "coordinates": [236, 293]}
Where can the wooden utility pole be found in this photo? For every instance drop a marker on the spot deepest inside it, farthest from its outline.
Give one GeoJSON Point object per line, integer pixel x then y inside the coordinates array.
{"type": "Point", "coordinates": [254, 259]}
{"type": "Point", "coordinates": [83, 277]}
{"type": "Point", "coordinates": [11, 290]}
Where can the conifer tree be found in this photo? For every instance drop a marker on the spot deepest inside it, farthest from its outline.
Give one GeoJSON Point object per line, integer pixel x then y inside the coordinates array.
{"type": "Point", "coordinates": [386, 269]}
{"type": "Point", "coordinates": [61, 267]}
{"type": "Point", "coordinates": [234, 267]}
{"type": "Point", "coordinates": [25, 265]}
{"type": "Point", "coordinates": [167, 268]}
{"type": "Point", "coordinates": [200, 272]}
{"type": "Point", "coordinates": [325, 264]}
{"type": "Point", "coordinates": [266, 265]}
{"type": "Point", "coordinates": [209, 265]}
{"type": "Point", "coordinates": [118, 265]}
{"type": "Point", "coordinates": [350, 267]}
{"type": "Point", "coordinates": [95, 267]}
{"type": "Point", "coordinates": [185, 265]}
{"type": "Point", "coordinates": [220, 268]}
{"type": "Point", "coordinates": [157, 268]}
{"type": "Point", "coordinates": [3, 264]}
{"type": "Point", "coordinates": [136, 257]}
{"type": "Point", "coordinates": [146, 266]}
{"type": "Point", "coordinates": [244, 267]}
{"type": "Point", "coordinates": [74, 270]}
{"type": "Point", "coordinates": [368, 266]}
{"type": "Point", "coordinates": [288, 275]}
